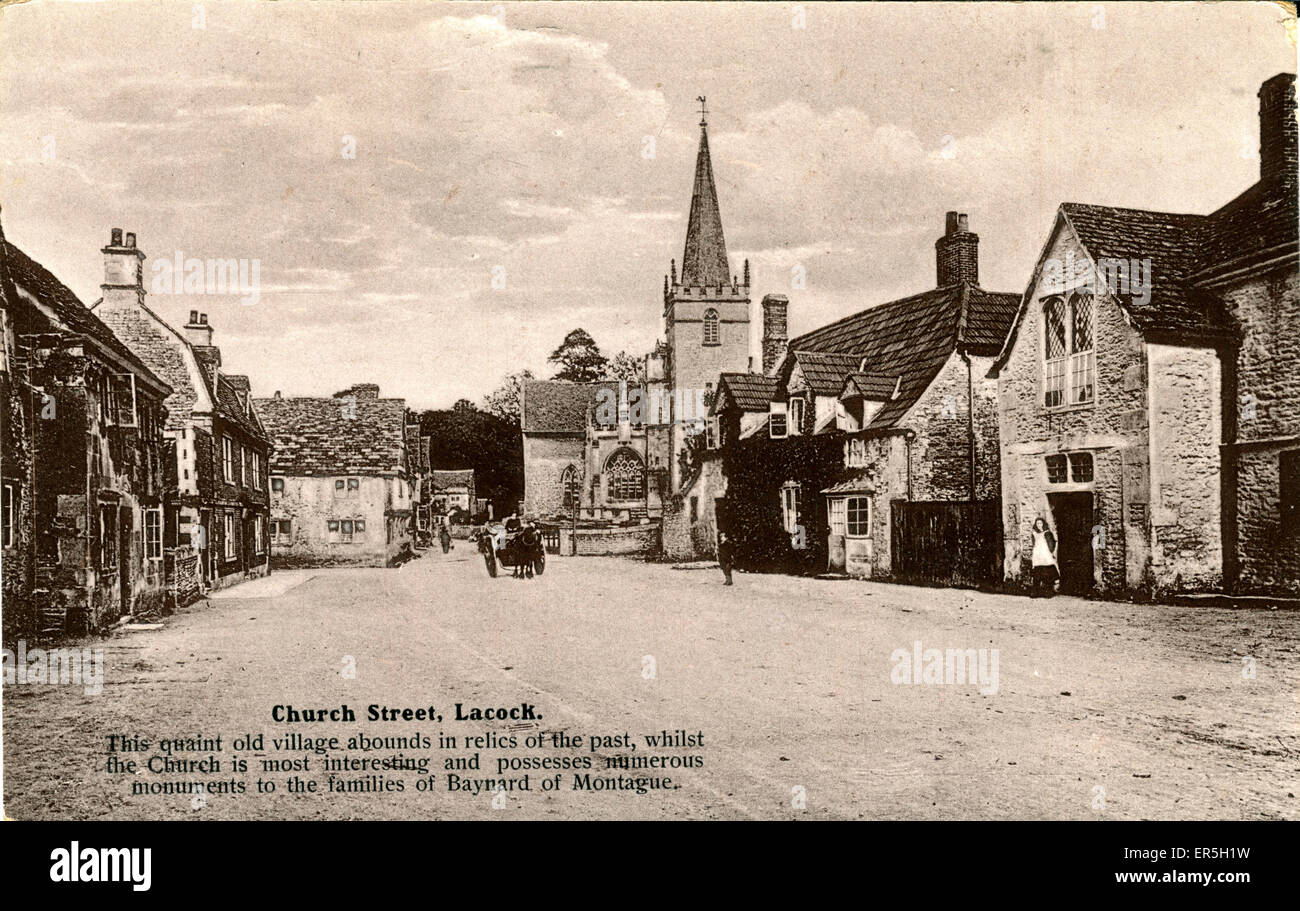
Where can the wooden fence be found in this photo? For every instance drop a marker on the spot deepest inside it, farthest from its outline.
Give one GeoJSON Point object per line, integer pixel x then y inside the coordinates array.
{"type": "Point", "coordinates": [947, 543]}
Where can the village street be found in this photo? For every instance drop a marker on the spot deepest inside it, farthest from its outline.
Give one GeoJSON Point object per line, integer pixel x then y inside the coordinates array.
{"type": "Point", "coordinates": [1101, 710]}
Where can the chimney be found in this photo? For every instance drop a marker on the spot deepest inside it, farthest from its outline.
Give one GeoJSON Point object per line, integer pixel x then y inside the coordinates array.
{"type": "Point", "coordinates": [360, 391]}
{"type": "Point", "coordinates": [197, 330]}
{"type": "Point", "coordinates": [775, 337]}
{"type": "Point", "coordinates": [123, 285]}
{"type": "Point", "coordinates": [957, 257]}
{"type": "Point", "coordinates": [1277, 129]}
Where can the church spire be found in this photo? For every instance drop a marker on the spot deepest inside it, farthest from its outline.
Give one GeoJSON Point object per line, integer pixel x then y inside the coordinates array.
{"type": "Point", "coordinates": [705, 260]}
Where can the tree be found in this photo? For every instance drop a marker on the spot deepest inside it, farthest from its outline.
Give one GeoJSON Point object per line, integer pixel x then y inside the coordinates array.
{"type": "Point", "coordinates": [506, 400]}
{"type": "Point", "coordinates": [579, 358]}
{"type": "Point", "coordinates": [624, 366]}
{"type": "Point", "coordinates": [464, 437]}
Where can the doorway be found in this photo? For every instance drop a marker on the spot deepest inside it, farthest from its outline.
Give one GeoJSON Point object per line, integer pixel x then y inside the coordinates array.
{"type": "Point", "coordinates": [125, 577]}
{"type": "Point", "coordinates": [1072, 513]}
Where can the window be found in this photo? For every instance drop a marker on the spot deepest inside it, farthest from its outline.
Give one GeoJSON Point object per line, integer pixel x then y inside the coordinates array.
{"type": "Point", "coordinates": [259, 536]}
{"type": "Point", "coordinates": [795, 421]}
{"type": "Point", "coordinates": [243, 466]}
{"type": "Point", "coordinates": [10, 514]}
{"type": "Point", "coordinates": [791, 496]}
{"type": "Point", "coordinates": [108, 537]}
{"type": "Point", "coordinates": [332, 526]}
{"type": "Point", "coordinates": [1081, 467]}
{"type": "Point", "coordinates": [1069, 358]}
{"type": "Point", "coordinates": [153, 534]}
{"type": "Point", "coordinates": [1056, 469]}
{"type": "Point", "coordinates": [257, 470]}
{"type": "Point", "coordinates": [228, 459]}
{"type": "Point", "coordinates": [855, 453]}
{"type": "Point", "coordinates": [281, 530]}
{"type": "Point", "coordinates": [626, 476]}
{"type": "Point", "coordinates": [836, 515]}
{"type": "Point", "coordinates": [711, 334]}
{"type": "Point", "coordinates": [1288, 469]}
{"type": "Point", "coordinates": [569, 487]}
{"type": "Point", "coordinates": [228, 537]}
{"type": "Point", "coordinates": [713, 441]}
{"type": "Point", "coordinates": [359, 526]}
{"type": "Point", "coordinates": [858, 514]}
{"type": "Point", "coordinates": [776, 424]}
{"type": "Point", "coordinates": [347, 487]}
{"type": "Point", "coordinates": [277, 485]}
{"type": "Point", "coordinates": [1074, 467]}
{"type": "Point", "coordinates": [345, 531]}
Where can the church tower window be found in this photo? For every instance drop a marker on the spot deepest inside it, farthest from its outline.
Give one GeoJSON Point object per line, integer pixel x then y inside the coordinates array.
{"type": "Point", "coordinates": [711, 334]}
{"type": "Point", "coordinates": [626, 475]}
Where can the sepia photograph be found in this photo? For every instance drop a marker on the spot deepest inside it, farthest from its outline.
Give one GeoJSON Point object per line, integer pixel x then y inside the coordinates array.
{"type": "Point", "coordinates": [649, 411]}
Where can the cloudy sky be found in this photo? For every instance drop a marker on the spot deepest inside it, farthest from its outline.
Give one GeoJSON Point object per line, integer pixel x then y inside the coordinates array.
{"type": "Point", "coordinates": [552, 145]}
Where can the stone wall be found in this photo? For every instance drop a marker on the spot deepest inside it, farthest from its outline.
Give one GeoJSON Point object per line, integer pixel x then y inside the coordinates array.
{"type": "Point", "coordinates": [310, 503]}
{"type": "Point", "coordinates": [941, 419]}
{"type": "Point", "coordinates": [1267, 308]}
{"type": "Point", "coordinates": [545, 458]}
{"type": "Point", "coordinates": [183, 586]}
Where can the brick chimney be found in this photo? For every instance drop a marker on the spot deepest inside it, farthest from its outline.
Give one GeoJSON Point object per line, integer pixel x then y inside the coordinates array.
{"type": "Point", "coordinates": [197, 331]}
{"type": "Point", "coordinates": [123, 272]}
{"type": "Point", "coordinates": [360, 391]}
{"type": "Point", "coordinates": [957, 253]}
{"type": "Point", "coordinates": [775, 335]}
{"type": "Point", "coordinates": [1277, 129]}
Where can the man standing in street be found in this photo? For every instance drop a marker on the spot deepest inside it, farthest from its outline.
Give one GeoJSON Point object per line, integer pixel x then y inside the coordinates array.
{"type": "Point", "coordinates": [444, 537]}
{"type": "Point", "coordinates": [726, 555]}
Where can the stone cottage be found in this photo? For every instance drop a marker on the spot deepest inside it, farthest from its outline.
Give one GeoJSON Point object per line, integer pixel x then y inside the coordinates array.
{"type": "Point", "coordinates": [84, 493]}
{"type": "Point", "coordinates": [218, 508]}
{"type": "Point", "coordinates": [1148, 393]}
{"type": "Point", "coordinates": [341, 493]}
{"type": "Point", "coordinates": [878, 423]}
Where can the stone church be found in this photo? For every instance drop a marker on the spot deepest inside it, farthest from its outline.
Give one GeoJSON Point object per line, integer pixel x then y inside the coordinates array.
{"type": "Point", "coordinates": [610, 451]}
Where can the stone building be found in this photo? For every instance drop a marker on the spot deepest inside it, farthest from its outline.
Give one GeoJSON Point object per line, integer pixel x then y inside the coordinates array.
{"type": "Point", "coordinates": [453, 489]}
{"type": "Point", "coordinates": [1149, 406]}
{"type": "Point", "coordinates": [871, 419]}
{"type": "Point", "coordinates": [83, 494]}
{"type": "Point", "coordinates": [613, 451]}
{"type": "Point", "coordinates": [218, 508]}
{"type": "Point", "coordinates": [341, 493]}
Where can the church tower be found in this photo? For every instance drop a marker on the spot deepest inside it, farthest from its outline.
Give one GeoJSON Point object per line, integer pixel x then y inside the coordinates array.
{"type": "Point", "coordinates": [706, 309]}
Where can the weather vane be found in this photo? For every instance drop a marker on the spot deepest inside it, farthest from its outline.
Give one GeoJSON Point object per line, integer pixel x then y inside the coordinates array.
{"type": "Point", "coordinates": [703, 110]}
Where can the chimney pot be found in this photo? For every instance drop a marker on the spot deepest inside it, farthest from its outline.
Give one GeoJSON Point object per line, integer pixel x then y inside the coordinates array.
{"type": "Point", "coordinates": [962, 224]}
{"type": "Point", "coordinates": [115, 237]}
{"type": "Point", "coordinates": [194, 316]}
{"type": "Point", "coordinates": [130, 239]}
{"type": "Point", "coordinates": [950, 224]}
{"type": "Point", "coordinates": [203, 318]}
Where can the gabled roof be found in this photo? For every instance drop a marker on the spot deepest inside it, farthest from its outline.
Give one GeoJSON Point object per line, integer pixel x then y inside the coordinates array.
{"type": "Point", "coordinates": [551, 406]}
{"type": "Point", "coordinates": [912, 338]}
{"type": "Point", "coordinates": [444, 479]}
{"type": "Point", "coordinates": [875, 387]}
{"type": "Point", "coordinates": [704, 262]}
{"type": "Point", "coordinates": [747, 391]}
{"type": "Point", "coordinates": [1187, 253]}
{"type": "Point", "coordinates": [334, 436]}
{"type": "Point", "coordinates": [68, 309]}
{"type": "Point", "coordinates": [824, 371]}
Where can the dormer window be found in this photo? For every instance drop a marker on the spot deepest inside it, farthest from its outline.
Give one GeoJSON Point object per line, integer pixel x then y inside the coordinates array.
{"type": "Point", "coordinates": [712, 335]}
{"type": "Point", "coordinates": [776, 421]}
{"type": "Point", "coordinates": [796, 416]}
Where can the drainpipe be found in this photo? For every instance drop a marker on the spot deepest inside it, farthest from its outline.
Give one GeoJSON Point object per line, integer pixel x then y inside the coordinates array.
{"type": "Point", "coordinates": [970, 418]}
{"type": "Point", "coordinates": [908, 437]}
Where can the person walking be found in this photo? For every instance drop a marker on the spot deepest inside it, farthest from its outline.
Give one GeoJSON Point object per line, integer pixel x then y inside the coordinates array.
{"type": "Point", "coordinates": [444, 538]}
{"type": "Point", "coordinates": [1043, 560]}
{"type": "Point", "coordinates": [726, 555]}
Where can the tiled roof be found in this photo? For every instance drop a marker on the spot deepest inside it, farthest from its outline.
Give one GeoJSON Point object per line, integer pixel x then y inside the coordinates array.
{"type": "Point", "coordinates": [824, 372]}
{"type": "Point", "coordinates": [68, 308]}
{"type": "Point", "coordinates": [145, 333]}
{"type": "Point", "coordinates": [551, 406]}
{"type": "Point", "coordinates": [749, 391]}
{"type": "Point", "coordinates": [860, 482]}
{"type": "Point", "coordinates": [912, 338]}
{"type": "Point", "coordinates": [1172, 243]}
{"type": "Point", "coordinates": [230, 403]}
{"type": "Point", "coordinates": [444, 479]}
{"type": "Point", "coordinates": [877, 387]}
{"type": "Point", "coordinates": [333, 436]}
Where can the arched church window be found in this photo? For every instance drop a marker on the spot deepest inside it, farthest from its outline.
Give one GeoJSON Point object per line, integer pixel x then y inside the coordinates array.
{"type": "Point", "coordinates": [711, 335]}
{"type": "Point", "coordinates": [570, 485]}
{"type": "Point", "coordinates": [626, 475]}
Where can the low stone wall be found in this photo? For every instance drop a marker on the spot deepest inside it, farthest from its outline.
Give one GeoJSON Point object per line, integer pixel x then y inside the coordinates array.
{"type": "Point", "coordinates": [611, 541]}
